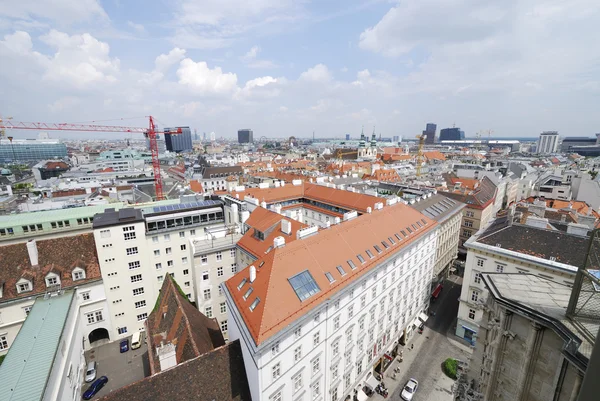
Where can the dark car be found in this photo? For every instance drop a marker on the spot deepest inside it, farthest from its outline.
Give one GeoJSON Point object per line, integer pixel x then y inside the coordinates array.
{"type": "Point", "coordinates": [124, 345]}
{"type": "Point", "coordinates": [95, 387]}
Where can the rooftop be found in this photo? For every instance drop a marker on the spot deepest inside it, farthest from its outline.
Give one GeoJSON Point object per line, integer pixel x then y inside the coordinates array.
{"type": "Point", "coordinates": [294, 279]}
{"type": "Point", "coordinates": [438, 207]}
{"type": "Point", "coordinates": [27, 366]}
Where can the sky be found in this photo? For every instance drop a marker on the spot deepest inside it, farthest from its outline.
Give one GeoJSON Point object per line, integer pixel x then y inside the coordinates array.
{"type": "Point", "coordinates": [287, 67]}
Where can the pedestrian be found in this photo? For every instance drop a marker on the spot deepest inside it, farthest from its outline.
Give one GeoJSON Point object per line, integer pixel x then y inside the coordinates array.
{"type": "Point", "coordinates": [412, 346]}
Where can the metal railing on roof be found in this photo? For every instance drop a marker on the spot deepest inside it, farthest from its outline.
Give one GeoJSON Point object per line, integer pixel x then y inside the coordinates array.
{"type": "Point", "coordinates": [208, 243]}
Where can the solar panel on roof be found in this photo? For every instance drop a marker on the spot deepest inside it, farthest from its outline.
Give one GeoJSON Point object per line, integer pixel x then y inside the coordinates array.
{"type": "Point", "coordinates": [304, 285]}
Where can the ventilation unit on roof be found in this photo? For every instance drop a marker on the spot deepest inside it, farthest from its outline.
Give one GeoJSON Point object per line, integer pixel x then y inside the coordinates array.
{"type": "Point", "coordinates": [378, 206]}
{"type": "Point", "coordinates": [286, 227]}
{"type": "Point", "coordinates": [278, 242]}
{"type": "Point", "coordinates": [252, 273]}
{"type": "Point", "coordinates": [369, 209]}
{"type": "Point", "coordinates": [352, 214]}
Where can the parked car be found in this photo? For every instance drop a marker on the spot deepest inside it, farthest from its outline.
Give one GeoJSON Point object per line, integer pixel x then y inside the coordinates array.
{"type": "Point", "coordinates": [124, 345]}
{"type": "Point", "coordinates": [136, 340]}
{"type": "Point", "coordinates": [410, 388]}
{"type": "Point", "coordinates": [90, 372]}
{"type": "Point", "coordinates": [95, 387]}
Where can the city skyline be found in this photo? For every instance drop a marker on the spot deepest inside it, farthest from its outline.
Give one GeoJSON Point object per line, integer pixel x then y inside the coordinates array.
{"type": "Point", "coordinates": [289, 68]}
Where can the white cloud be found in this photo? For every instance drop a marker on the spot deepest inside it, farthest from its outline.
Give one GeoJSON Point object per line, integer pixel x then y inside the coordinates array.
{"type": "Point", "coordinates": [165, 61]}
{"type": "Point", "coordinates": [283, 109]}
{"type": "Point", "coordinates": [198, 77]}
{"type": "Point", "coordinates": [251, 54]}
{"type": "Point", "coordinates": [318, 73]}
{"type": "Point", "coordinates": [261, 87]}
{"type": "Point", "coordinates": [139, 28]}
{"type": "Point", "coordinates": [252, 61]}
{"type": "Point", "coordinates": [64, 103]}
{"type": "Point", "coordinates": [61, 11]}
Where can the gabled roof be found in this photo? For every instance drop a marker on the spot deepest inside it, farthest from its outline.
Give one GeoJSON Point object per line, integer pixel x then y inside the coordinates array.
{"type": "Point", "coordinates": [434, 155]}
{"type": "Point", "coordinates": [479, 198]}
{"type": "Point", "coordinates": [60, 255]}
{"type": "Point", "coordinates": [175, 320]}
{"type": "Point", "coordinates": [278, 305]}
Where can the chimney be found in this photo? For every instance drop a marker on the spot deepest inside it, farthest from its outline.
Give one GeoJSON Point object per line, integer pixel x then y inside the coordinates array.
{"type": "Point", "coordinates": [167, 356]}
{"type": "Point", "coordinates": [252, 273]}
{"type": "Point", "coordinates": [278, 242]}
{"type": "Point", "coordinates": [263, 204]}
{"type": "Point", "coordinates": [33, 252]}
{"type": "Point", "coordinates": [286, 227]}
{"type": "Point", "coordinates": [577, 229]}
{"type": "Point", "coordinates": [538, 222]}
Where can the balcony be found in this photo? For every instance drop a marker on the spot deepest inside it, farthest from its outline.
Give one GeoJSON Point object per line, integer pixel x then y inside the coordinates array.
{"type": "Point", "coordinates": [206, 244]}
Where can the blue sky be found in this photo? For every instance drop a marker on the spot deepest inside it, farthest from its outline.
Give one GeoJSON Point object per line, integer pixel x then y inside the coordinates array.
{"type": "Point", "coordinates": [286, 67]}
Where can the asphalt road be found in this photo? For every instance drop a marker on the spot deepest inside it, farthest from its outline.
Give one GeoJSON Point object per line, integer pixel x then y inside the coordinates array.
{"type": "Point", "coordinates": [432, 349]}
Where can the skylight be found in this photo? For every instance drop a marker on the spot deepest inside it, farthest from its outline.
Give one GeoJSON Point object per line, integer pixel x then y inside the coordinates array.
{"type": "Point", "coordinates": [403, 233]}
{"type": "Point", "coordinates": [247, 294]}
{"type": "Point", "coordinates": [377, 248]}
{"type": "Point", "coordinates": [392, 240]}
{"type": "Point", "coordinates": [385, 244]}
{"type": "Point", "coordinates": [261, 264]}
{"type": "Point", "coordinates": [398, 237]}
{"type": "Point", "coordinates": [340, 269]}
{"type": "Point", "coordinates": [351, 264]}
{"type": "Point", "coordinates": [424, 221]}
{"type": "Point", "coordinates": [419, 224]}
{"type": "Point", "coordinates": [415, 227]}
{"type": "Point", "coordinates": [304, 285]}
{"type": "Point", "coordinates": [370, 254]}
{"type": "Point", "coordinates": [329, 277]}
{"type": "Point", "coordinates": [409, 230]}
{"type": "Point", "coordinates": [254, 303]}
{"type": "Point", "coordinates": [240, 285]}
{"type": "Point", "coordinates": [360, 258]}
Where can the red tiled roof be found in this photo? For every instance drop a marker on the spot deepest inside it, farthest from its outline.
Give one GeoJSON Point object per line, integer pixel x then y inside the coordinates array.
{"type": "Point", "coordinates": [279, 305]}
{"type": "Point", "coordinates": [196, 186]}
{"type": "Point", "coordinates": [60, 255]}
{"type": "Point", "coordinates": [434, 155]}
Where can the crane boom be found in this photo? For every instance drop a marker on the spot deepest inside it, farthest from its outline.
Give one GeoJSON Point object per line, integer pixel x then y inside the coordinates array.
{"type": "Point", "coordinates": [149, 132]}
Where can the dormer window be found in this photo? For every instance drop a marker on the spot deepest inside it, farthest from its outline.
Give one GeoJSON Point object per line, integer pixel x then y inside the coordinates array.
{"type": "Point", "coordinates": [23, 286]}
{"type": "Point", "coordinates": [78, 274]}
{"type": "Point", "coordinates": [52, 279]}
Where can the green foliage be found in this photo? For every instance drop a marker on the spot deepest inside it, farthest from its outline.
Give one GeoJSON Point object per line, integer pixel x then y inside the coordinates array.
{"type": "Point", "coordinates": [593, 174]}
{"type": "Point", "coordinates": [2, 359]}
{"type": "Point", "coordinates": [449, 367]}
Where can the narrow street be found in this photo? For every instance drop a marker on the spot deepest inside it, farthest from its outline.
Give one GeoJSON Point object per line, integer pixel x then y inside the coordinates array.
{"type": "Point", "coordinates": [431, 348]}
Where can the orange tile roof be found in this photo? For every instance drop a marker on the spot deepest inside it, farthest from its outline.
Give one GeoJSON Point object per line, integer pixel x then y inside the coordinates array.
{"type": "Point", "coordinates": [434, 155]}
{"type": "Point", "coordinates": [279, 305]}
{"type": "Point", "coordinates": [262, 220]}
{"type": "Point", "coordinates": [383, 175]}
{"type": "Point", "coordinates": [393, 150]}
{"type": "Point", "coordinates": [196, 186]}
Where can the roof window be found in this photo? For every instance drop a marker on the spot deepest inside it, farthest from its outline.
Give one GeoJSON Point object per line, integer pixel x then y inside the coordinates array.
{"type": "Point", "coordinates": [370, 254]}
{"type": "Point", "coordinates": [398, 237]}
{"type": "Point", "coordinates": [351, 264]}
{"type": "Point", "coordinates": [424, 222]}
{"type": "Point", "coordinates": [329, 277]}
{"type": "Point", "coordinates": [304, 285]}
{"type": "Point", "coordinates": [419, 224]}
{"type": "Point", "coordinates": [254, 303]}
{"type": "Point", "coordinates": [360, 258]}
{"type": "Point", "coordinates": [240, 285]}
{"type": "Point", "coordinates": [261, 264]}
{"type": "Point", "coordinates": [404, 233]}
{"type": "Point", "coordinates": [377, 248]}
{"type": "Point", "coordinates": [392, 240]}
{"type": "Point", "coordinates": [414, 227]}
{"type": "Point", "coordinates": [408, 229]}
{"type": "Point", "coordinates": [247, 294]}
{"type": "Point", "coordinates": [340, 269]}
{"type": "Point", "coordinates": [385, 244]}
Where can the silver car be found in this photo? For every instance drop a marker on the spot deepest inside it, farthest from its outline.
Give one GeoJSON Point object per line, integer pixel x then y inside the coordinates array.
{"type": "Point", "coordinates": [90, 372]}
{"type": "Point", "coordinates": [410, 388]}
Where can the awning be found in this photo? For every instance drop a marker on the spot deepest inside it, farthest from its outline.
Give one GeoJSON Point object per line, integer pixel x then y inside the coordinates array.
{"type": "Point", "coordinates": [388, 357]}
{"type": "Point", "coordinates": [437, 290]}
{"type": "Point", "coordinates": [361, 396]}
{"type": "Point", "coordinates": [423, 317]}
{"type": "Point", "coordinates": [372, 382]}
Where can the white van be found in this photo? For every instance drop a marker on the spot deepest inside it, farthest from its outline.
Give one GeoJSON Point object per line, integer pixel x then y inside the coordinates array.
{"type": "Point", "coordinates": [136, 340]}
{"type": "Point", "coordinates": [90, 372]}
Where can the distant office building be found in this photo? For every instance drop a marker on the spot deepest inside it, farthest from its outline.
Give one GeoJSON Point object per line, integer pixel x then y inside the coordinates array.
{"type": "Point", "coordinates": [548, 142]}
{"type": "Point", "coordinates": [451, 134]}
{"type": "Point", "coordinates": [396, 139]}
{"type": "Point", "coordinates": [347, 137]}
{"type": "Point", "coordinates": [179, 142]}
{"type": "Point", "coordinates": [575, 141]}
{"type": "Point", "coordinates": [31, 149]}
{"type": "Point", "coordinates": [213, 137]}
{"type": "Point", "coordinates": [430, 129]}
{"type": "Point", "coordinates": [245, 136]}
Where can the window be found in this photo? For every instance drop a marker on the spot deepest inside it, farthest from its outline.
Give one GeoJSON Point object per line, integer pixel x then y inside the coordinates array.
{"type": "Point", "coordinates": [140, 304]}
{"type": "Point", "coordinates": [122, 330]}
{"type": "Point", "coordinates": [78, 275]}
{"type": "Point", "coordinates": [223, 307]}
{"type": "Point", "coordinates": [469, 214]}
{"type": "Point", "coordinates": [219, 256]}
{"type": "Point", "coordinates": [472, 314]}
{"type": "Point", "coordinates": [297, 380]}
{"type": "Point", "coordinates": [169, 263]}
{"type": "Point", "coordinates": [276, 397]}
{"type": "Point", "coordinates": [192, 232]}
{"type": "Point", "coordinates": [316, 390]}
{"type": "Point", "coordinates": [276, 372]}
{"type": "Point", "coordinates": [467, 233]}
{"type": "Point", "coordinates": [3, 343]}
{"type": "Point", "coordinates": [329, 277]}
{"type": "Point", "coordinates": [208, 311]}
{"type": "Point", "coordinates": [234, 267]}
{"type": "Point", "coordinates": [181, 234]}
{"type": "Point", "coordinates": [159, 265]}
{"type": "Point", "coordinates": [157, 252]}
{"type": "Point", "coordinates": [351, 264]}
{"type": "Point", "coordinates": [160, 278]}
{"type": "Point", "coordinates": [334, 375]}
{"type": "Point", "coordinates": [205, 275]}
{"type": "Point", "coordinates": [167, 237]}
{"type": "Point", "coordinates": [219, 272]}
{"type": "Point", "coordinates": [477, 277]}
{"type": "Point", "coordinates": [335, 348]}
{"type": "Point", "coordinates": [340, 270]}
{"type": "Point", "coordinates": [350, 311]}
{"type": "Point", "coordinates": [186, 272]}
{"type": "Point", "coordinates": [51, 281]}
{"type": "Point", "coordinates": [500, 268]}
{"type": "Point", "coordinates": [94, 317]}
{"type": "Point", "coordinates": [275, 348]}
{"type": "Point", "coordinates": [24, 287]}
{"type": "Point", "coordinates": [474, 296]}
{"type": "Point", "coordinates": [155, 239]}
{"type": "Point", "coordinates": [480, 262]}
{"type": "Point", "coordinates": [297, 354]}
{"type": "Point", "coordinates": [336, 322]}
{"type": "Point", "coordinates": [168, 251]}
{"type": "Point", "coordinates": [468, 223]}
{"type": "Point", "coordinates": [370, 254]}
{"type": "Point", "coordinates": [142, 316]}
{"type": "Point", "coordinates": [316, 338]}
{"type": "Point", "coordinates": [224, 326]}
{"type": "Point", "coordinates": [207, 294]}
{"type": "Point", "coordinates": [182, 247]}
{"type": "Point", "coordinates": [138, 291]}
{"type": "Point", "coordinates": [132, 251]}
{"type": "Point", "coordinates": [129, 233]}
{"type": "Point", "coordinates": [136, 278]}
{"type": "Point", "coordinates": [204, 259]}
{"type": "Point", "coordinates": [134, 265]}
{"type": "Point", "coordinates": [184, 260]}
{"type": "Point", "coordinates": [360, 258]}
{"type": "Point", "coordinates": [27, 309]}
{"type": "Point", "coordinates": [85, 296]}
{"type": "Point", "coordinates": [103, 233]}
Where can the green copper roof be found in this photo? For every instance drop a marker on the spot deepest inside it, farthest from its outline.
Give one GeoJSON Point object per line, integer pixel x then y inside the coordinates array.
{"type": "Point", "coordinates": [27, 366]}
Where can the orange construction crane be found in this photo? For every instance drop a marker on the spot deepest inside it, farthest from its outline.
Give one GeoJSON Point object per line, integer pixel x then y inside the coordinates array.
{"type": "Point", "coordinates": [149, 132]}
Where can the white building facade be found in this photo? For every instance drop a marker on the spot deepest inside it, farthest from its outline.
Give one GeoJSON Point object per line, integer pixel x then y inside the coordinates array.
{"type": "Point", "coordinates": [548, 142]}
